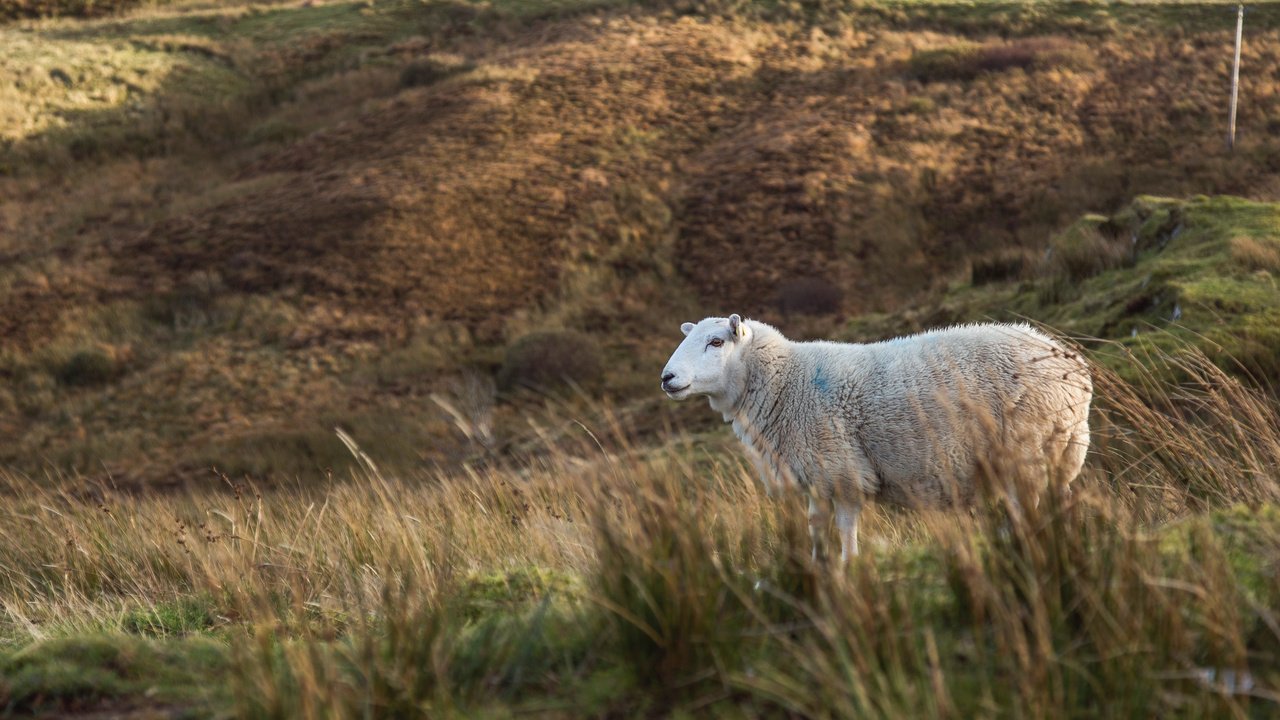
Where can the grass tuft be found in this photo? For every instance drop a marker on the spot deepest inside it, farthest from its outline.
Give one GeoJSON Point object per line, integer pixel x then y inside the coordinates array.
{"type": "Point", "coordinates": [1255, 255]}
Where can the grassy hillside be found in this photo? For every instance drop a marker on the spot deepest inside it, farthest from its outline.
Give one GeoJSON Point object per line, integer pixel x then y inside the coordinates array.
{"type": "Point", "coordinates": [230, 227]}
{"type": "Point", "coordinates": [1157, 276]}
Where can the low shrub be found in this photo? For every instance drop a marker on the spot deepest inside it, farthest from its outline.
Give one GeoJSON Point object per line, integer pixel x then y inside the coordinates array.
{"type": "Point", "coordinates": [192, 304]}
{"type": "Point", "coordinates": [967, 60]}
{"type": "Point", "coordinates": [551, 359]}
{"type": "Point", "coordinates": [809, 296]}
{"type": "Point", "coordinates": [920, 105]}
{"type": "Point", "coordinates": [1001, 267]}
{"type": "Point", "coordinates": [431, 70]}
{"type": "Point", "coordinates": [11, 9]}
{"type": "Point", "coordinates": [88, 367]}
{"type": "Point", "coordinates": [273, 131]}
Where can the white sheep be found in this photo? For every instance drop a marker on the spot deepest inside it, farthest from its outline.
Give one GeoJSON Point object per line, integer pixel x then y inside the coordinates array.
{"type": "Point", "coordinates": [908, 421]}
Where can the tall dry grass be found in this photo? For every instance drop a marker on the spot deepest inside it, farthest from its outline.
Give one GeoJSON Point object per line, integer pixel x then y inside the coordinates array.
{"type": "Point", "coordinates": [595, 577]}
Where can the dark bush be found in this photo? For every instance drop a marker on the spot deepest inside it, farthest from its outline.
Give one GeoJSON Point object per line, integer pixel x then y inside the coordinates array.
{"type": "Point", "coordinates": [88, 367]}
{"type": "Point", "coordinates": [10, 9]}
{"type": "Point", "coordinates": [429, 71]}
{"type": "Point", "coordinates": [273, 131]}
{"type": "Point", "coordinates": [192, 304]}
{"type": "Point", "coordinates": [84, 147]}
{"type": "Point", "coordinates": [1002, 267]}
{"type": "Point", "coordinates": [967, 60]}
{"type": "Point", "coordinates": [809, 296]}
{"type": "Point", "coordinates": [547, 360]}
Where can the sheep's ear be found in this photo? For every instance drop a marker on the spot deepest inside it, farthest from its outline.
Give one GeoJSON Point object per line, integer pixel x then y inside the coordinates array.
{"type": "Point", "coordinates": [686, 328]}
{"type": "Point", "coordinates": [736, 327]}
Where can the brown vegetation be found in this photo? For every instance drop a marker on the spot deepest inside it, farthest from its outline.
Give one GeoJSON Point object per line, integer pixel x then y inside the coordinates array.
{"type": "Point", "coordinates": [1256, 254]}
{"type": "Point", "coordinates": [61, 8]}
{"type": "Point", "coordinates": [967, 60]}
{"type": "Point", "coordinates": [549, 360]}
{"type": "Point", "coordinates": [279, 217]}
{"type": "Point", "coordinates": [809, 296]}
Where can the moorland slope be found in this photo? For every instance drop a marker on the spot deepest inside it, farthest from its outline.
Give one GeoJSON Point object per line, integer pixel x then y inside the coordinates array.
{"type": "Point", "coordinates": [230, 227]}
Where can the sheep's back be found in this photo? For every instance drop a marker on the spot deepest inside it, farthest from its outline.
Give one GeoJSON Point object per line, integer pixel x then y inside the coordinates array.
{"type": "Point", "coordinates": [932, 406]}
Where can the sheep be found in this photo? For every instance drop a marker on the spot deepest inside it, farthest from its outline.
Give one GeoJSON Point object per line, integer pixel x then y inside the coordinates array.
{"type": "Point", "coordinates": [908, 421]}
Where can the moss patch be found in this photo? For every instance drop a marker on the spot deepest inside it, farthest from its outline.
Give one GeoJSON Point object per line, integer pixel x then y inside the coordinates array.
{"type": "Point", "coordinates": [82, 673]}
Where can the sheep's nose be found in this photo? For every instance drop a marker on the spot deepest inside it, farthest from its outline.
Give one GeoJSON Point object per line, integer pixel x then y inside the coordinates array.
{"type": "Point", "coordinates": [666, 377]}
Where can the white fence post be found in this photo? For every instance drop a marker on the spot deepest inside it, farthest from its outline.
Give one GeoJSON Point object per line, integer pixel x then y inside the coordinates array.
{"type": "Point", "coordinates": [1235, 80]}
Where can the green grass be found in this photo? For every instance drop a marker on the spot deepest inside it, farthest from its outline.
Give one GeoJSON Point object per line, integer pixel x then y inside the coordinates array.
{"type": "Point", "coordinates": [180, 617]}
{"type": "Point", "coordinates": [76, 673]}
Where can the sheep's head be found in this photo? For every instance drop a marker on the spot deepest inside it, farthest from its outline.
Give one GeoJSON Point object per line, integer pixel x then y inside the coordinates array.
{"type": "Point", "coordinates": [709, 361]}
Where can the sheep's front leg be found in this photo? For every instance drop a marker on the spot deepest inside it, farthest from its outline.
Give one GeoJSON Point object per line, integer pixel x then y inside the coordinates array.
{"type": "Point", "coordinates": [818, 517]}
{"type": "Point", "coordinates": [847, 513]}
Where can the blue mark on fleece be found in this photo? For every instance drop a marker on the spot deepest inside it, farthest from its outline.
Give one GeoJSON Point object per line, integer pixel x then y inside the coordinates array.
{"type": "Point", "coordinates": [821, 382]}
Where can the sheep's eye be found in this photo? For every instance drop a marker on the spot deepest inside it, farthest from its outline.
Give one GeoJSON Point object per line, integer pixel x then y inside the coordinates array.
{"type": "Point", "coordinates": [716, 342]}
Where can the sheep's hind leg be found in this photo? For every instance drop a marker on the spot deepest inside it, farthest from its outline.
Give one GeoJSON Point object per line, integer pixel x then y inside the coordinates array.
{"type": "Point", "coordinates": [847, 514]}
{"type": "Point", "coordinates": [818, 517]}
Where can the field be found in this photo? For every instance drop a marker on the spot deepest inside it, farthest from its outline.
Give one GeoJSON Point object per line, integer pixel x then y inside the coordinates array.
{"type": "Point", "coordinates": [330, 334]}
